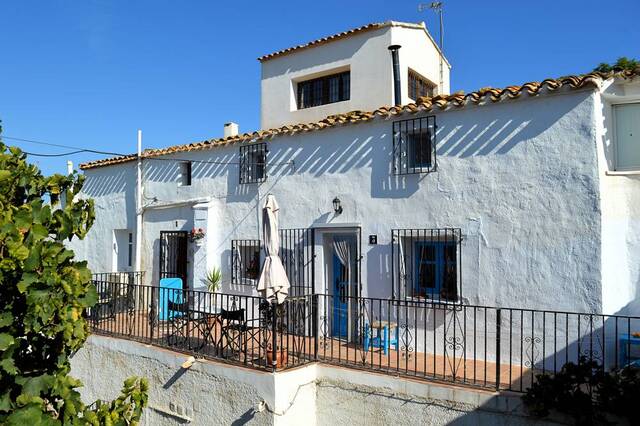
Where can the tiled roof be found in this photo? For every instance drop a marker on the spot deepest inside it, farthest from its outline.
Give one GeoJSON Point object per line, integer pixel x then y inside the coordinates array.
{"type": "Point", "coordinates": [436, 103]}
{"type": "Point", "coordinates": [327, 39]}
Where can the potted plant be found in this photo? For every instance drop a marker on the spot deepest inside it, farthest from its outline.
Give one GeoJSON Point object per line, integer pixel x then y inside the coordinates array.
{"type": "Point", "coordinates": [197, 236]}
{"type": "Point", "coordinates": [214, 278]}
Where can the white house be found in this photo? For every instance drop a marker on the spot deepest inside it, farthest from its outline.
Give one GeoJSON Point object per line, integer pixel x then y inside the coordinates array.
{"type": "Point", "coordinates": [391, 189]}
{"type": "Point", "coordinates": [534, 185]}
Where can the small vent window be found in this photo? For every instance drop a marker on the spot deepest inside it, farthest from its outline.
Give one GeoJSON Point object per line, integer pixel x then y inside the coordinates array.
{"type": "Point", "coordinates": [185, 173]}
{"type": "Point", "coordinates": [253, 163]}
{"type": "Point", "coordinates": [414, 145]}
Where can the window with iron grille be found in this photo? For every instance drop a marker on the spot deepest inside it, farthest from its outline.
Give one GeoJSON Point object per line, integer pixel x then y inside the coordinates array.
{"type": "Point", "coordinates": [324, 90]}
{"type": "Point", "coordinates": [253, 163]}
{"type": "Point", "coordinates": [245, 261]}
{"type": "Point", "coordinates": [426, 264]}
{"type": "Point", "coordinates": [420, 86]}
{"type": "Point", "coordinates": [414, 145]}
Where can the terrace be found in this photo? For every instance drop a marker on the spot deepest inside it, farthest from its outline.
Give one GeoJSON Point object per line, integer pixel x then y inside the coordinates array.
{"type": "Point", "coordinates": [486, 347]}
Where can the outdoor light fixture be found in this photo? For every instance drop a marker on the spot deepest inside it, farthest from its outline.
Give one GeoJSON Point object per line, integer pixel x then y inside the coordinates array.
{"type": "Point", "coordinates": [336, 206]}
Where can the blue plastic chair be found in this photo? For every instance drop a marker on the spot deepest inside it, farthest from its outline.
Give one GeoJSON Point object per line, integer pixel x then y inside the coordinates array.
{"type": "Point", "coordinates": [171, 299]}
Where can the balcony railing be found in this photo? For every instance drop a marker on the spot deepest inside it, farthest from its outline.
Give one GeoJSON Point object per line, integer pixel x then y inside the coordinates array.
{"type": "Point", "coordinates": [489, 347]}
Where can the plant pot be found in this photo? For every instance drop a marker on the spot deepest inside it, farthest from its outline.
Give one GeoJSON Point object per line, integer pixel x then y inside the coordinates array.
{"type": "Point", "coordinates": [199, 242]}
{"type": "Point", "coordinates": [282, 357]}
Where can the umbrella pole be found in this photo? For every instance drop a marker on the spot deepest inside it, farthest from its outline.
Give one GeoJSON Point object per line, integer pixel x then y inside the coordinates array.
{"type": "Point", "coordinates": [274, 335]}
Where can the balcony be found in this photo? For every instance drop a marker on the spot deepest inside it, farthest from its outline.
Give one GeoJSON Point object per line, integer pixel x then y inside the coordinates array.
{"type": "Point", "coordinates": [481, 346]}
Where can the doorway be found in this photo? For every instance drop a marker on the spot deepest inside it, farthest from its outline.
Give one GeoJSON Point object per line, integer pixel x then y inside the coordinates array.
{"type": "Point", "coordinates": [342, 272]}
{"type": "Point", "coordinates": [173, 255]}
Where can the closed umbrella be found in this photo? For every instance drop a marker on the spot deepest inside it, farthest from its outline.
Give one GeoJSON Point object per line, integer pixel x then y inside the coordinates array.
{"type": "Point", "coordinates": [273, 282]}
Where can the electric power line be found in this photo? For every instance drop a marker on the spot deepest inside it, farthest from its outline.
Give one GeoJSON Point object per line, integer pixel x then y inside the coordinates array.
{"type": "Point", "coordinates": [80, 150]}
{"type": "Point", "coordinates": [61, 146]}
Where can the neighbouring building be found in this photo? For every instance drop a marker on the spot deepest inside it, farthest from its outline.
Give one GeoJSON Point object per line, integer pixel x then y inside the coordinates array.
{"type": "Point", "coordinates": [392, 189]}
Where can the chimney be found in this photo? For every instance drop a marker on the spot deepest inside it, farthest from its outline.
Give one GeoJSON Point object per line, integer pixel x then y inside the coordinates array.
{"type": "Point", "coordinates": [69, 167]}
{"type": "Point", "coordinates": [396, 73]}
{"type": "Point", "coordinates": [230, 129]}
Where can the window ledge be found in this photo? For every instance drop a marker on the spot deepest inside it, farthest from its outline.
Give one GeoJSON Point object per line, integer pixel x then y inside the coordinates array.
{"type": "Point", "coordinates": [622, 172]}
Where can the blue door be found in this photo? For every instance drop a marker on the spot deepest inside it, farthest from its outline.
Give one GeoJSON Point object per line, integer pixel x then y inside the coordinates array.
{"type": "Point", "coordinates": [340, 300]}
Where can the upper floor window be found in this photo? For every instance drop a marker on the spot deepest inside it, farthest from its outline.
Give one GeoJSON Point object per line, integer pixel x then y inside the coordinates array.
{"type": "Point", "coordinates": [253, 163]}
{"type": "Point", "coordinates": [420, 86]}
{"type": "Point", "coordinates": [324, 90]}
{"type": "Point", "coordinates": [627, 136]}
{"type": "Point", "coordinates": [414, 143]}
{"type": "Point", "coordinates": [185, 173]}
{"type": "Point", "coordinates": [427, 264]}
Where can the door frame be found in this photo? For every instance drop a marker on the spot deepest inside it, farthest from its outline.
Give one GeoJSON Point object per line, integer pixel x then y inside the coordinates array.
{"type": "Point", "coordinates": [179, 253]}
{"type": "Point", "coordinates": [324, 234]}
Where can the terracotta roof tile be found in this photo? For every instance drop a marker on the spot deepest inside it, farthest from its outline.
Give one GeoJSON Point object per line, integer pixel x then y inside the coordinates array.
{"type": "Point", "coordinates": [456, 100]}
{"type": "Point", "coordinates": [368, 27]}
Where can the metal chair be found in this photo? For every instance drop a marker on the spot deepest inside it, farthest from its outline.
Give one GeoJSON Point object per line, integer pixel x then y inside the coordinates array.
{"type": "Point", "coordinates": [236, 331]}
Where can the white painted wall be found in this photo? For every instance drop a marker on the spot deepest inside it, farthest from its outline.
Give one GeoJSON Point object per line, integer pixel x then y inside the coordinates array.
{"type": "Point", "coordinates": [211, 393]}
{"type": "Point", "coordinates": [365, 55]}
{"type": "Point", "coordinates": [520, 178]}
{"type": "Point", "coordinates": [620, 199]}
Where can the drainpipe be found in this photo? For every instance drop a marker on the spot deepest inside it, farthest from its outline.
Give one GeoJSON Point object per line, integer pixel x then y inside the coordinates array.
{"type": "Point", "coordinates": [396, 73]}
{"type": "Point", "coordinates": [139, 206]}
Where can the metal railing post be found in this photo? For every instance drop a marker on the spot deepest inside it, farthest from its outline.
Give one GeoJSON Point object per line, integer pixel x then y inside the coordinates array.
{"type": "Point", "coordinates": [152, 313]}
{"type": "Point", "coordinates": [498, 321]}
{"type": "Point", "coordinates": [314, 306]}
{"type": "Point", "coordinates": [274, 337]}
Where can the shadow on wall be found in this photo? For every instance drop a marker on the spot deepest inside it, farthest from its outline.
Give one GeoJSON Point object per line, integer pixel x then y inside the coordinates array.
{"type": "Point", "coordinates": [477, 131]}
{"type": "Point", "coordinates": [105, 182]}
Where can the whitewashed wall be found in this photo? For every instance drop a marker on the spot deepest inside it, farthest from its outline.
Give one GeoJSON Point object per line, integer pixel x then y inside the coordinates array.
{"type": "Point", "coordinates": [366, 55]}
{"type": "Point", "coordinates": [520, 178]}
{"type": "Point", "coordinates": [620, 198]}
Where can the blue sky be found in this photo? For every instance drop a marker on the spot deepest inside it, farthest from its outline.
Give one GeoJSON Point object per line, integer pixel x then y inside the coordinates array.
{"type": "Point", "coordinates": [89, 73]}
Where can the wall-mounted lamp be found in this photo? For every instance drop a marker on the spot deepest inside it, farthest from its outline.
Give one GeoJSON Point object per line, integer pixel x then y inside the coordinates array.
{"type": "Point", "coordinates": [337, 208]}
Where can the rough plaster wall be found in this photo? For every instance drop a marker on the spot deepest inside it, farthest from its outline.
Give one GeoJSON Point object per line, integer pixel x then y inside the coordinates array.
{"type": "Point", "coordinates": [342, 403]}
{"type": "Point", "coordinates": [210, 395]}
{"type": "Point", "coordinates": [520, 178]}
{"type": "Point", "coordinates": [620, 199]}
{"type": "Point", "coordinates": [217, 394]}
{"type": "Point", "coordinates": [113, 192]}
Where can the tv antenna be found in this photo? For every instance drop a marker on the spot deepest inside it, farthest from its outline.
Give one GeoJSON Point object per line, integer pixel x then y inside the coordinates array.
{"type": "Point", "coordinates": [437, 7]}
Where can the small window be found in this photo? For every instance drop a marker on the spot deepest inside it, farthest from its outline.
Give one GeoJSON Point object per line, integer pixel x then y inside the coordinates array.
{"type": "Point", "coordinates": [324, 90]}
{"type": "Point", "coordinates": [185, 173]}
{"type": "Point", "coordinates": [427, 264]}
{"type": "Point", "coordinates": [130, 250]}
{"type": "Point", "coordinates": [414, 145]}
{"type": "Point", "coordinates": [245, 261]}
{"type": "Point", "coordinates": [627, 134]}
{"type": "Point", "coordinates": [253, 163]}
{"type": "Point", "coordinates": [420, 86]}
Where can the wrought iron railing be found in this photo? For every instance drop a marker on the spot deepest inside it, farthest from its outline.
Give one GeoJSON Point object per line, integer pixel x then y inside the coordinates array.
{"type": "Point", "coordinates": [489, 347]}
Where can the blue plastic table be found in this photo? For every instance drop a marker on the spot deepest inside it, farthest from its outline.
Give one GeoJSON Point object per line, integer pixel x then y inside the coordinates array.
{"type": "Point", "coordinates": [379, 340]}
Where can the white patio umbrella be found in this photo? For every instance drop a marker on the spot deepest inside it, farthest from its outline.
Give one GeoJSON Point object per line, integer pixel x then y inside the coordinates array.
{"type": "Point", "coordinates": [273, 282]}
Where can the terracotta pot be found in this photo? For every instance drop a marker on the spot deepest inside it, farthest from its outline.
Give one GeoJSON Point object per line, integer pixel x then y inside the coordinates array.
{"type": "Point", "coordinates": [282, 357]}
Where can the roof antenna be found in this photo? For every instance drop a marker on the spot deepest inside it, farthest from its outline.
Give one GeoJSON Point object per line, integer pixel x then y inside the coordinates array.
{"type": "Point", "coordinates": [437, 7]}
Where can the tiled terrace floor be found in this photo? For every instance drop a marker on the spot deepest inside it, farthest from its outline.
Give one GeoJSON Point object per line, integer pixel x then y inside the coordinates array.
{"type": "Point", "coordinates": [206, 339]}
